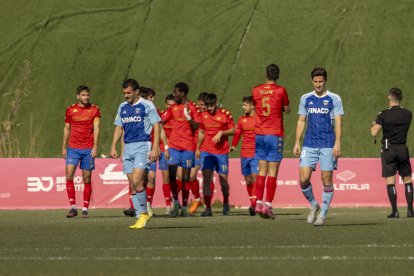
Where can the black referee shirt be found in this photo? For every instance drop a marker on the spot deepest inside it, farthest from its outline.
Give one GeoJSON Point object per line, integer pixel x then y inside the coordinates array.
{"type": "Point", "coordinates": [395, 122]}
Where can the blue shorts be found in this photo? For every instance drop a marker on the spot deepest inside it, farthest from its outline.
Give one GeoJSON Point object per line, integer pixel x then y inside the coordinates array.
{"type": "Point", "coordinates": [197, 162]}
{"type": "Point", "coordinates": [162, 163]}
{"type": "Point", "coordinates": [182, 158]}
{"type": "Point", "coordinates": [74, 156]}
{"type": "Point", "coordinates": [309, 157]}
{"type": "Point", "coordinates": [136, 156]}
{"type": "Point", "coordinates": [153, 166]}
{"type": "Point", "coordinates": [269, 148]}
{"type": "Point", "coordinates": [249, 165]}
{"type": "Point", "coordinates": [214, 162]}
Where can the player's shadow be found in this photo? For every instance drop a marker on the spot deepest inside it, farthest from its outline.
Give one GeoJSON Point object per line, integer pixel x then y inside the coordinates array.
{"type": "Point", "coordinates": [353, 224]}
{"type": "Point", "coordinates": [172, 227]}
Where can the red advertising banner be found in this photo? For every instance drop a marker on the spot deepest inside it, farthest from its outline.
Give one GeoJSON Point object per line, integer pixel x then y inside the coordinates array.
{"type": "Point", "coordinates": [30, 183]}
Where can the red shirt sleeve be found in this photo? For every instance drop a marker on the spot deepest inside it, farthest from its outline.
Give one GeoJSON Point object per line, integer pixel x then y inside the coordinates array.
{"type": "Point", "coordinates": [167, 115]}
{"type": "Point", "coordinates": [237, 134]}
{"type": "Point", "coordinates": [68, 119]}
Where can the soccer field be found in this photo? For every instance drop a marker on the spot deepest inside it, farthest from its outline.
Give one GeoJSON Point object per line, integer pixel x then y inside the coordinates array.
{"type": "Point", "coordinates": [354, 241]}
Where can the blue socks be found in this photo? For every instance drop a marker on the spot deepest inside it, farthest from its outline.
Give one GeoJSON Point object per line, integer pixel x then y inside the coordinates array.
{"type": "Point", "coordinates": [139, 200]}
{"type": "Point", "coordinates": [308, 193]}
{"type": "Point", "coordinates": [327, 195]}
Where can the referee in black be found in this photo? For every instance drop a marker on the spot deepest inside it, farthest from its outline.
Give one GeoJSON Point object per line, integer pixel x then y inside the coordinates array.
{"type": "Point", "coordinates": [395, 122]}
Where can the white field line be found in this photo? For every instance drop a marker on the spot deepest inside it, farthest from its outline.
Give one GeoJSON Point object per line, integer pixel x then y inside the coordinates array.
{"type": "Point", "coordinates": [304, 246]}
{"type": "Point", "coordinates": [213, 258]}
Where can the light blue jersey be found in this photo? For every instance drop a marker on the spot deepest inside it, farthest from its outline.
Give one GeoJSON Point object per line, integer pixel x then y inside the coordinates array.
{"type": "Point", "coordinates": [137, 120]}
{"type": "Point", "coordinates": [320, 113]}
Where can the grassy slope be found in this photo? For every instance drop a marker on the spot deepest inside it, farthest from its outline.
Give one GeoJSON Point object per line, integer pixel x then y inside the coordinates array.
{"type": "Point", "coordinates": [220, 46]}
{"type": "Point", "coordinates": [354, 241]}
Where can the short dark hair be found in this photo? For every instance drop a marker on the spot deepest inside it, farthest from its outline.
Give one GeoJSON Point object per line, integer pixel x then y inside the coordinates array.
{"type": "Point", "coordinates": [182, 87]}
{"type": "Point", "coordinates": [210, 99]}
{"type": "Point", "coordinates": [319, 71]}
{"type": "Point", "coordinates": [248, 99]}
{"type": "Point", "coordinates": [396, 93]}
{"type": "Point", "coordinates": [82, 88]}
{"type": "Point", "coordinates": [202, 96]}
{"type": "Point", "coordinates": [146, 92]}
{"type": "Point", "coordinates": [169, 97]}
{"type": "Point", "coordinates": [272, 72]}
{"type": "Point", "coordinates": [130, 83]}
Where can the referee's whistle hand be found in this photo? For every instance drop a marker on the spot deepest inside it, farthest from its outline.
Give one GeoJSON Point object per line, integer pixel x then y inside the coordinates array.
{"type": "Point", "coordinates": [296, 150]}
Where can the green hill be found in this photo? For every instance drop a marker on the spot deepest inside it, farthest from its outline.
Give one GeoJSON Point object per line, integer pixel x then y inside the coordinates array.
{"type": "Point", "coordinates": [48, 48]}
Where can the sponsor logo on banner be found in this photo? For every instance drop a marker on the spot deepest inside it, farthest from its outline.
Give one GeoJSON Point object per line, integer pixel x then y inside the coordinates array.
{"type": "Point", "coordinates": [5, 195]}
{"type": "Point", "coordinates": [347, 175]}
{"type": "Point", "coordinates": [46, 184]}
{"type": "Point", "coordinates": [111, 177]}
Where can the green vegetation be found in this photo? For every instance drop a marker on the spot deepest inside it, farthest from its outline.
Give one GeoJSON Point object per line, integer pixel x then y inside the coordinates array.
{"type": "Point", "coordinates": [48, 48]}
{"type": "Point", "coordinates": [353, 242]}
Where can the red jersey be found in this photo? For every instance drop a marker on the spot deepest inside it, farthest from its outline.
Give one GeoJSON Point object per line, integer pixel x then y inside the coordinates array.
{"type": "Point", "coordinates": [182, 135]}
{"type": "Point", "coordinates": [81, 121]}
{"type": "Point", "coordinates": [270, 99]}
{"type": "Point", "coordinates": [167, 129]}
{"type": "Point", "coordinates": [212, 124]}
{"type": "Point", "coordinates": [245, 127]}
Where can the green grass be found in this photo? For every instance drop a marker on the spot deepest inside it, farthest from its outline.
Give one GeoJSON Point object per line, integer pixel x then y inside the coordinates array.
{"type": "Point", "coordinates": [354, 241]}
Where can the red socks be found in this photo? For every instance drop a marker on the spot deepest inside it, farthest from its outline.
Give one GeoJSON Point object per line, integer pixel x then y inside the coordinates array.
{"type": "Point", "coordinates": [195, 188]}
{"type": "Point", "coordinates": [167, 193]}
{"type": "Point", "coordinates": [70, 189]}
{"type": "Point", "coordinates": [185, 193]}
{"type": "Point", "coordinates": [260, 186]}
{"type": "Point", "coordinates": [87, 191]}
{"type": "Point", "coordinates": [251, 190]}
{"type": "Point", "coordinates": [270, 188]}
{"type": "Point", "coordinates": [179, 186]}
{"type": "Point", "coordinates": [150, 194]}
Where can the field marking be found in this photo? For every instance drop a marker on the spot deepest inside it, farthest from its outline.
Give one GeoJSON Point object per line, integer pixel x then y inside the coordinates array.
{"type": "Point", "coordinates": [213, 258]}
{"type": "Point", "coordinates": [303, 246]}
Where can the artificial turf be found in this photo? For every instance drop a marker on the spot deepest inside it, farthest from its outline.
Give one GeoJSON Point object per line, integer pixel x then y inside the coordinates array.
{"type": "Point", "coordinates": [353, 241]}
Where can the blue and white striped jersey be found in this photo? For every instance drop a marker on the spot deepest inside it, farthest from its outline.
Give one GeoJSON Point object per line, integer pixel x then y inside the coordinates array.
{"type": "Point", "coordinates": [137, 120]}
{"type": "Point", "coordinates": [320, 112]}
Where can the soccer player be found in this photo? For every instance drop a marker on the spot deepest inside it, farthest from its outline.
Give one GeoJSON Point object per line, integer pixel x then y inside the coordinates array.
{"type": "Point", "coordinates": [194, 184]}
{"type": "Point", "coordinates": [136, 118]}
{"type": "Point", "coordinates": [395, 122]}
{"type": "Point", "coordinates": [249, 164]}
{"type": "Point", "coordinates": [181, 145]}
{"type": "Point", "coordinates": [271, 101]}
{"type": "Point", "coordinates": [322, 111]}
{"type": "Point", "coordinates": [212, 148]}
{"type": "Point", "coordinates": [82, 131]}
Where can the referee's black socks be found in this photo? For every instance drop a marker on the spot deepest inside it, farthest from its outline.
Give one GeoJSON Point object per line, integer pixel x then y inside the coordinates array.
{"type": "Point", "coordinates": [392, 195]}
{"type": "Point", "coordinates": [409, 195]}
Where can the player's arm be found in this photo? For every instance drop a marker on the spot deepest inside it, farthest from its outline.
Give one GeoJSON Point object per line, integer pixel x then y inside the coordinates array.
{"type": "Point", "coordinates": [375, 129]}
{"type": "Point", "coordinates": [154, 154]}
{"type": "Point", "coordinates": [66, 132]}
{"type": "Point", "coordinates": [286, 107]}
{"type": "Point", "coordinates": [193, 124]}
{"type": "Point", "coordinates": [118, 131]}
{"type": "Point", "coordinates": [164, 140]}
{"type": "Point", "coordinates": [338, 134]}
{"type": "Point", "coordinates": [221, 133]}
{"type": "Point", "coordinates": [236, 138]}
{"type": "Point", "coordinates": [300, 127]}
{"type": "Point", "coordinates": [200, 140]}
{"type": "Point", "coordinates": [96, 123]}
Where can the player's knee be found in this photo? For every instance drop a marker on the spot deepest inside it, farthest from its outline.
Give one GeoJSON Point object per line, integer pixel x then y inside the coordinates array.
{"type": "Point", "coordinates": [304, 183]}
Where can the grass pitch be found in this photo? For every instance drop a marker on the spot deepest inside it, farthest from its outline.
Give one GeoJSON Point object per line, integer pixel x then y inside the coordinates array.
{"type": "Point", "coordinates": [353, 241]}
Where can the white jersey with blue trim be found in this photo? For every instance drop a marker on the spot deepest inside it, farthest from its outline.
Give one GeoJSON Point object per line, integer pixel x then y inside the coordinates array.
{"type": "Point", "coordinates": [320, 112]}
{"type": "Point", "coordinates": [137, 120]}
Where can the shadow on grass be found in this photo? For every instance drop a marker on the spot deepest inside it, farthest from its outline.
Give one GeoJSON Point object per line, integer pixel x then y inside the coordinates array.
{"type": "Point", "coordinates": [354, 224]}
{"type": "Point", "coordinates": [172, 227]}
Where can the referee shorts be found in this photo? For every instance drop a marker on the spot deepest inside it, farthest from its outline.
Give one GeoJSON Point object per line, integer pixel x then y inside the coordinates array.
{"type": "Point", "coordinates": [395, 158]}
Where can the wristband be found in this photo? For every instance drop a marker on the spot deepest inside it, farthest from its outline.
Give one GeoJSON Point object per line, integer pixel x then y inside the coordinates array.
{"type": "Point", "coordinates": [166, 147]}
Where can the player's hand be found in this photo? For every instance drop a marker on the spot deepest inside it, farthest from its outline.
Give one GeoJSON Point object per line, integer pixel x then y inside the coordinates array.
{"type": "Point", "coordinates": [167, 154]}
{"type": "Point", "coordinates": [217, 137]}
{"type": "Point", "coordinates": [187, 113]}
{"type": "Point", "coordinates": [337, 150]}
{"type": "Point", "coordinates": [232, 148]}
{"type": "Point", "coordinates": [64, 151]}
{"type": "Point", "coordinates": [154, 154]}
{"type": "Point", "coordinates": [114, 153]}
{"type": "Point", "coordinates": [296, 150]}
{"type": "Point", "coordinates": [94, 152]}
{"type": "Point", "coordinates": [197, 154]}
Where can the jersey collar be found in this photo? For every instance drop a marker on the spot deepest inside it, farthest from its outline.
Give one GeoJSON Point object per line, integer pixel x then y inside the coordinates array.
{"type": "Point", "coordinates": [317, 96]}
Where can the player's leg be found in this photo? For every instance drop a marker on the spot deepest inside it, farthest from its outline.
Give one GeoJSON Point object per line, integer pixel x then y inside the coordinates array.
{"type": "Point", "coordinates": [185, 190]}
{"type": "Point", "coordinates": [404, 170]}
{"type": "Point", "coordinates": [140, 198]}
{"type": "Point", "coordinates": [221, 162]}
{"type": "Point", "coordinates": [163, 166]}
{"type": "Point", "coordinates": [72, 160]}
{"type": "Point", "coordinates": [195, 187]}
{"type": "Point", "coordinates": [87, 165]}
{"type": "Point", "coordinates": [150, 187]}
{"type": "Point", "coordinates": [389, 169]}
{"type": "Point", "coordinates": [261, 156]}
{"type": "Point", "coordinates": [173, 163]}
{"type": "Point", "coordinates": [328, 164]}
{"type": "Point", "coordinates": [207, 169]}
{"type": "Point", "coordinates": [308, 160]}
